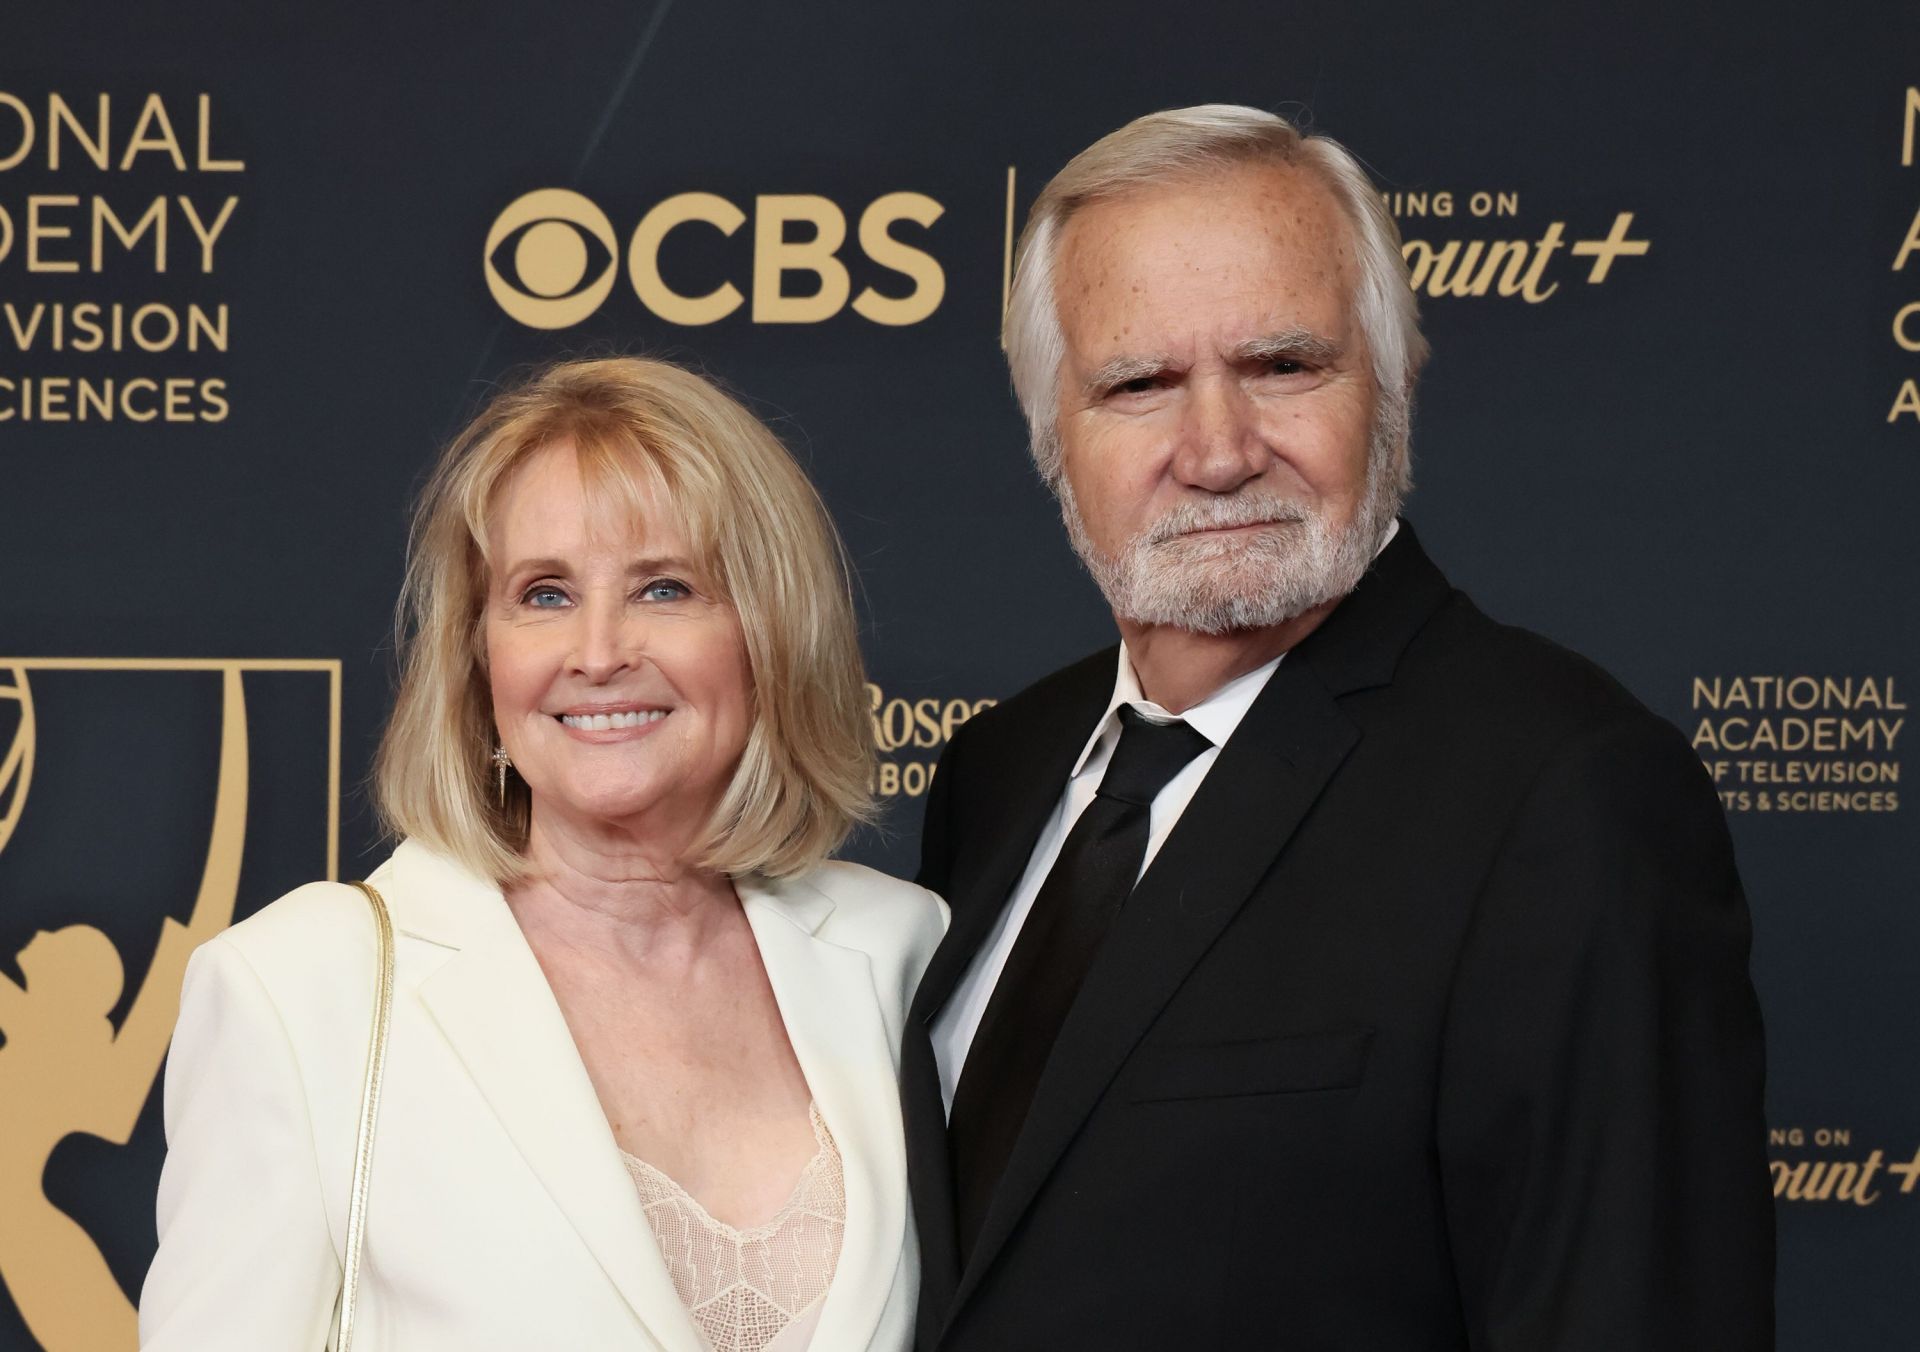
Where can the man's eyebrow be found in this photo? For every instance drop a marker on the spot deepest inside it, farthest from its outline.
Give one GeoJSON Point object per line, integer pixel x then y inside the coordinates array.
{"type": "Point", "coordinates": [1297, 343]}
{"type": "Point", "coordinates": [1120, 370]}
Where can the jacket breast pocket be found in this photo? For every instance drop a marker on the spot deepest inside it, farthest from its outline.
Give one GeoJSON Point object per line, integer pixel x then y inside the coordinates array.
{"type": "Point", "coordinates": [1296, 1064]}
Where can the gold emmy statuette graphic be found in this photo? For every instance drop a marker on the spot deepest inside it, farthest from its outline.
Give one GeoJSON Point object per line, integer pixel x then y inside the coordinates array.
{"type": "Point", "coordinates": [64, 1068]}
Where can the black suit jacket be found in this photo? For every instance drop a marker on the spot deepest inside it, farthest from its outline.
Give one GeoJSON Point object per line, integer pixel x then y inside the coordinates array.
{"type": "Point", "coordinates": [1429, 1027]}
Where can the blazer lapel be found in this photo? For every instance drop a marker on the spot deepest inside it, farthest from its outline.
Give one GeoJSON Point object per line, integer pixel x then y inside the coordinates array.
{"type": "Point", "coordinates": [495, 1008]}
{"type": "Point", "coordinates": [832, 1013]}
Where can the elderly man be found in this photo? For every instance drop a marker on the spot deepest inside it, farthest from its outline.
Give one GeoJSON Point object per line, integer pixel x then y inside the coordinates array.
{"type": "Point", "coordinates": [1331, 967]}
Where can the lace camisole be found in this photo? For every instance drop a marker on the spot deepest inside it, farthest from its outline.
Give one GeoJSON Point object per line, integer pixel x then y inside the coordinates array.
{"type": "Point", "coordinates": [758, 1289]}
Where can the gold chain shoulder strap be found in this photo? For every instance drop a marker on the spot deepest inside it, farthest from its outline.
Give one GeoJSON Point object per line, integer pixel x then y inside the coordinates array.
{"type": "Point", "coordinates": [369, 1116]}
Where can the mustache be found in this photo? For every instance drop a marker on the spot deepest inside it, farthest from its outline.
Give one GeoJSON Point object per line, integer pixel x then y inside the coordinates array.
{"type": "Point", "coordinates": [1225, 514]}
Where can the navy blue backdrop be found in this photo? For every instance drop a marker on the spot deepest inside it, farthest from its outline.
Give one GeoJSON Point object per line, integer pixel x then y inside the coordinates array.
{"type": "Point", "coordinates": [258, 262]}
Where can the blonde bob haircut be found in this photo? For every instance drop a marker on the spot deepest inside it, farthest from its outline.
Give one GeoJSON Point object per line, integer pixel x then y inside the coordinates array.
{"type": "Point", "coordinates": [645, 432]}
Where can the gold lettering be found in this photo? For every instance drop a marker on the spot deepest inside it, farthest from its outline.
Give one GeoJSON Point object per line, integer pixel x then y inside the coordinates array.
{"type": "Point", "coordinates": [53, 398]}
{"type": "Point", "coordinates": [95, 146]}
{"type": "Point", "coordinates": [922, 268]}
{"type": "Point", "coordinates": [1900, 334]}
{"type": "Point", "coordinates": [153, 112]}
{"type": "Point", "coordinates": [200, 324]}
{"type": "Point", "coordinates": [105, 220]}
{"type": "Point", "coordinates": [96, 401]}
{"type": "Point", "coordinates": [170, 329]}
{"type": "Point", "coordinates": [1453, 270]}
{"type": "Point", "coordinates": [1909, 244]}
{"type": "Point", "coordinates": [206, 163]}
{"type": "Point", "coordinates": [207, 233]}
{"type": "Point", "coordinates": [1907, 400]}
{"type": "Point", "coordinates": [37, 231]}
{"type": "Point", "coordinates": [926, 722]}
{"type": "Point", "coordinates": [23, 337]}
{"type": "Point", "coordinates": [25, 148]}
{"type": "Point", "coordinates": [643, 259]}
{"type": "Point", "coordinates": [179, 392]}
{"type": "Point", "coordinates": [1516, 252]}
{"type": "Point", "coordinates": [1550, 243]}
{"type": "Point", "coordinates": [87, 322]}
{"type": "Point", "coordinates": [956, 712]}
{"type": "Point", "coordinates": [126, 399]}
{"type": "Point", "coordinates": [774, 256]}
{"type": "Point", "coordinates": [1860, 1191]}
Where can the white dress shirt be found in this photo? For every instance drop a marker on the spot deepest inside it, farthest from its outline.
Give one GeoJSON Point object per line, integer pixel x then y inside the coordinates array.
{"type": "Point", "coordinates": [1214, 718]}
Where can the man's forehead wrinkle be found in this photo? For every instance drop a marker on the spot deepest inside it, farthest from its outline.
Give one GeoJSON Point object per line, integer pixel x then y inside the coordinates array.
{"type": "Point", "coordinates": [1206, 270]}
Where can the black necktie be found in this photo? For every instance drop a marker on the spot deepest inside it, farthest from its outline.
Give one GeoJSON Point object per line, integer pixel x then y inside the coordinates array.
{"type": "Point", "coordinates": [1096, 869]}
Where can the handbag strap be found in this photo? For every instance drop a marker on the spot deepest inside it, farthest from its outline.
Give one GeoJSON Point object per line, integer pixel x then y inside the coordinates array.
{"type": "Point", "coordinates": [369, 1116]}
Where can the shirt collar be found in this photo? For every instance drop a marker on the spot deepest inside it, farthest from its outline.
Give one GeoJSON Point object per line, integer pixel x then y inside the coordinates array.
{"type": "Point", "coordinates": [1214, 717]}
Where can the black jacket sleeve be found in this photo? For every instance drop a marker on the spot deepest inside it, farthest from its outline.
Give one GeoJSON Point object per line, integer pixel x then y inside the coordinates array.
{"type": "Point", "coordinates": [1600, 1125]}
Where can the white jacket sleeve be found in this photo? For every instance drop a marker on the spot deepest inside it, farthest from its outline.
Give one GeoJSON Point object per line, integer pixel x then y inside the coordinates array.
{"type": "Point", "coordinates": [246, 1258]}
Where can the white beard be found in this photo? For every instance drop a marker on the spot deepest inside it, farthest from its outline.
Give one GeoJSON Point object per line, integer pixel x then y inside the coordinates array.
{"type": "Point", "coordinates": [1253, 579]}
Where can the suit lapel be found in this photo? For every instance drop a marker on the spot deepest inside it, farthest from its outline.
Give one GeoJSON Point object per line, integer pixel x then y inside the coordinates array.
{"type": "Point", "coordinates": [930, 1178]}
{"type": "Point", "coordinates": [1268, 776]}
{"type": "Point", "coordinates": [1027, 794]}
{"type": "Point", "coordinates": [832, 1014]}
{"type": "Point", "coordinates": [494, 1007]}
{"type": "Point", "coordinates": [1026, 788]}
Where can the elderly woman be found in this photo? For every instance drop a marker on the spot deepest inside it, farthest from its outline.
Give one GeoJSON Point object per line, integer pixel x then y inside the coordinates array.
{"type": "Point", "coordinates": [639, 1087]}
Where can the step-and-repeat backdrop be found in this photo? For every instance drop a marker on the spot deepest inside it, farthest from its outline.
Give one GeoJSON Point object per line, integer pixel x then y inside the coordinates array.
{"type": "Point", "coordinates": [257, 262]}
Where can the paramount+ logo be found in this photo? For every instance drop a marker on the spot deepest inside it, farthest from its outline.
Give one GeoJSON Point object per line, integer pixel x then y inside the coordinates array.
{"type": "Point", "coordinates": [553, 258]}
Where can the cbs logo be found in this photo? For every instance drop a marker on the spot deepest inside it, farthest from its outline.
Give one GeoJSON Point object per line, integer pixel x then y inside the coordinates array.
{"type": "Point", "coordinates": [551, 259]}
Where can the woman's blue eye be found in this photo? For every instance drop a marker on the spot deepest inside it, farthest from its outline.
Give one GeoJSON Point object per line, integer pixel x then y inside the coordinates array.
{"type": "Point", "coordinates": [545, 598]}
{"type": "Point", "coordinates": [666, 589]}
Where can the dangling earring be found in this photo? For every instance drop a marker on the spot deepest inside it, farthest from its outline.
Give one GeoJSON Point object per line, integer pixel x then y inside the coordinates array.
{"type": "Point", "coordinates": [501, 764]}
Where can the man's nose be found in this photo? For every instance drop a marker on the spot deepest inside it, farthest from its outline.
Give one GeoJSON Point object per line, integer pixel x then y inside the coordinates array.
{"type": "Point", "coordinates": [1220, 446]}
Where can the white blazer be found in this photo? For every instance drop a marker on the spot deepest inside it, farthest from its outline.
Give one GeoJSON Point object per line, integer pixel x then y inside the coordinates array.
{"type": "Point", "coordinates": [501, 1215]}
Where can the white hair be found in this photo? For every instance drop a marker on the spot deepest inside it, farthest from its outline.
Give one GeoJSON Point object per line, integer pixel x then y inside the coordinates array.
{"type": "Point", "coordinates": [1182, 144]}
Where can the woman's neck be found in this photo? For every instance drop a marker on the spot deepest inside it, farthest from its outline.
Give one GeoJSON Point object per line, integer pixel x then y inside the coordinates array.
{"type": "Point", "coordinates": [605, 889]}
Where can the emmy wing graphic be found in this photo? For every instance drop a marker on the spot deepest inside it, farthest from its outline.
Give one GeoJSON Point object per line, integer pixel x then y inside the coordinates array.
{"type": "Point", "coordinates": [64, 1067]}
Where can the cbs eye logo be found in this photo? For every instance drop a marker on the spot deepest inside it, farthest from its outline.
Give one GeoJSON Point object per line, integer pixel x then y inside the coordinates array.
{"type": "Point", "coordinates": [551, 259]}
{"type": "Point", "coordinates": [558, 248]}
